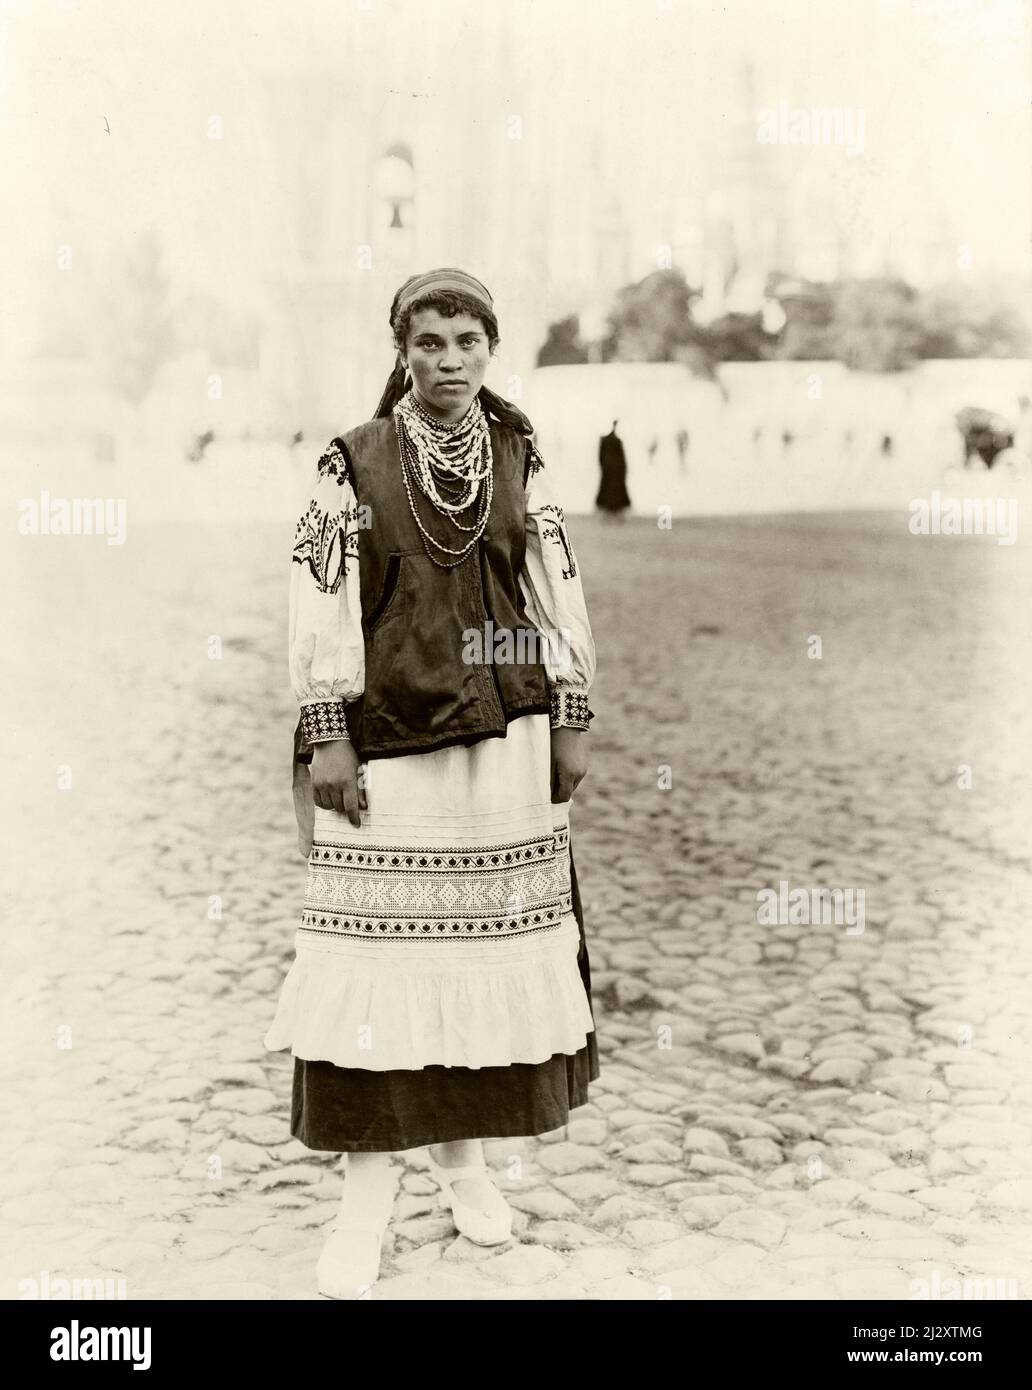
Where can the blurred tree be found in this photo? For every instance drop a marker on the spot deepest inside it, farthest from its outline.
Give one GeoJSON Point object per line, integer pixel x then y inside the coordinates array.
{"type": "Point", "coordinates": [563, 344]}
{"type": "Point", "coordinates": [739, 338]}
{"type": "Point", "coordinates": [876, 325]}
{"type": "Point", "coordinates": [880, 324]}
{"type": "Point", "coordinates": [809, 310]}
{"type": "Point", "coordinates": [652, 320]}
{"type": "Point", "coordinates": [978, 320]}
{"type": "Point", "coordinates": [870, 325]}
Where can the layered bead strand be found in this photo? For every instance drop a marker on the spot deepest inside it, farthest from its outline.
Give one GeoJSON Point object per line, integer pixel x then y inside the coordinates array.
{"type": "Point", "coordinates": [452, 466]}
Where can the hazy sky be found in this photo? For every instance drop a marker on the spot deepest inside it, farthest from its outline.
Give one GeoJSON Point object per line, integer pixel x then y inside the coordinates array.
{"type": "Point", "coordinates": [104, 106]}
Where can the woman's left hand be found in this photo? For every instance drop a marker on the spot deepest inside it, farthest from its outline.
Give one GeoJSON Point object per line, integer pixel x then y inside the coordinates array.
{"type": "Point", "coordinates": [569, 762]}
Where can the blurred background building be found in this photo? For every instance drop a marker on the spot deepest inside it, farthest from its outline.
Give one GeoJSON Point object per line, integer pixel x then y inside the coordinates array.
{"type": "Point", "coordinates": [208, 211]}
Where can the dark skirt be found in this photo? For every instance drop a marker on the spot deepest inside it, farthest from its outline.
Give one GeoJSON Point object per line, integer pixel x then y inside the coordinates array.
{"type": "Point", "coordinates": [352, 1110]}
{"type": "Point", "coordinates": [612, 493]}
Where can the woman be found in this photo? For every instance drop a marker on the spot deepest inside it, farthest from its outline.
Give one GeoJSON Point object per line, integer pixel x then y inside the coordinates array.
{"type": "Point", "coordinates": [440, 991]}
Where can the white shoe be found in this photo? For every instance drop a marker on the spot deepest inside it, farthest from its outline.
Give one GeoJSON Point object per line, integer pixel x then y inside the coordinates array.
{"type": "Point", "coordinates": [349, 1265]}
{"type": "Point", "coordinates": [482, 1228]}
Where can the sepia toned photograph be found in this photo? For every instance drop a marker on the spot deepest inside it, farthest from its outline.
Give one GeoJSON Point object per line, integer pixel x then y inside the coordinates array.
{"type": "Point", "coordinates": [519, 663]}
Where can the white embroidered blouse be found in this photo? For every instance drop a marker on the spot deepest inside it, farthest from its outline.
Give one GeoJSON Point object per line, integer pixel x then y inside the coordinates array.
{"type": "Point", "coordinates": [326, 641]}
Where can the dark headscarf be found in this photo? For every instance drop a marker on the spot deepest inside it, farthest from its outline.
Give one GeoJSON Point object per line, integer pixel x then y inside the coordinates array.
{"type": "Point", "coordinates": [399, 380]}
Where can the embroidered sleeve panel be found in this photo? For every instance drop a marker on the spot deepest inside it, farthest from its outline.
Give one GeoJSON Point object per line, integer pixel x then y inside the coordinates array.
{"type": "Point", "coordinates": [551, 585]}
{"type": "Point", "coordinates": [553, 529]}
{"type": "Point", "coordinates": [569, 708]}
{"type": "Point", "coordinates": [326, 537]}
{"type": "Point", "coordinates": [323, 720]}
{"type": "Point", "coordinates": [335, 462]}
{"type": "Point", "coordinates": [326, 642]}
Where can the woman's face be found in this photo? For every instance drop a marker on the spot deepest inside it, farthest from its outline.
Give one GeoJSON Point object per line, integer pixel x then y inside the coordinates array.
{"type": "Point", "coordinates": [447, 358]}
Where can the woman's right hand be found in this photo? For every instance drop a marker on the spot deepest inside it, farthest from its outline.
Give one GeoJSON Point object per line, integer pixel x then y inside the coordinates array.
{"type": "Point", "coordinates": [335, 785]}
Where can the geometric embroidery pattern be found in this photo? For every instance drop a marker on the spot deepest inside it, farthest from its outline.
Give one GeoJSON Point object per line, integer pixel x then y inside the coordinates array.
{"type": "Point", "coordinates": [323, 720]}
{"type": "Point", "coordinates": [506, 891]}
{"type": "Point", "coordinates": [569, 708]}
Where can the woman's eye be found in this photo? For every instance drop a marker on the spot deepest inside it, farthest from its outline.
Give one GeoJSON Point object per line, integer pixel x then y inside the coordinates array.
{"type": "Point", "coordinates": [433, 345]}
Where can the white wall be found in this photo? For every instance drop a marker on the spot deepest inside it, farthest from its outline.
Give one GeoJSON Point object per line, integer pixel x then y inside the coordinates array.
{"type": "Point", "coordinates": [728, 470]}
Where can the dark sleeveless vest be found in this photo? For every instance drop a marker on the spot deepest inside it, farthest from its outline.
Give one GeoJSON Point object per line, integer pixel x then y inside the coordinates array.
{"type": "Point", "coordinates": [419, 693]}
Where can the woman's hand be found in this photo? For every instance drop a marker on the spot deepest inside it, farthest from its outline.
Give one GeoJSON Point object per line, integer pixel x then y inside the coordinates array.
{"type": "Point", "coordinates": [569, 762]}
{"type": "Point", "coordinates": [335, 785]}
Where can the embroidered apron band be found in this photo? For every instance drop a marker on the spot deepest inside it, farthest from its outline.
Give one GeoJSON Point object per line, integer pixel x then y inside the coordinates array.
{"type": "Point", "coordinates": [444, 278]}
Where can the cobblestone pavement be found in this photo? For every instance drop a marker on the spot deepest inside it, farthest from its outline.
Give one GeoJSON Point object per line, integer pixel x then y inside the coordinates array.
{"type": "Point", "coordinates": [785, 1111]}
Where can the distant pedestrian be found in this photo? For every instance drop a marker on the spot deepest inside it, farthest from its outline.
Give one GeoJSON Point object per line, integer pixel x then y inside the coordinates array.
{"type": "Point", "coordinates": [195, 453]}
{"type": "Point", "coordinates": [612, 499]}
{"type": "Point", "coordinates": [682, 441]}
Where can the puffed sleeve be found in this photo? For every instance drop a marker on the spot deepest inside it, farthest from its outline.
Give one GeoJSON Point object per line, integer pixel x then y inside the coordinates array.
{"type": "Point", "coordinates": [551, 586]}
{"type": "Point", "coordinates": [326, 644]}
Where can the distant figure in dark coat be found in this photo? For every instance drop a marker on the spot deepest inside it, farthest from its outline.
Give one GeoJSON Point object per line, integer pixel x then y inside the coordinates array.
{"type": "Point", "coordinates": [612, 499]}
{"type": "Point", "coordinates": [195, 453]}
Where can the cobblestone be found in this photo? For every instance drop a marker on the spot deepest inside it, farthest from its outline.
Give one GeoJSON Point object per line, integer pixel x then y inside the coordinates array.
{"type": "Point", "coordinates": [785, 1111]}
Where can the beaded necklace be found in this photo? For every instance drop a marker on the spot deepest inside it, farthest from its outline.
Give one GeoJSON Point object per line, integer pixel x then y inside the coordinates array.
{"type": "Point", "coordinates": [451, 465]}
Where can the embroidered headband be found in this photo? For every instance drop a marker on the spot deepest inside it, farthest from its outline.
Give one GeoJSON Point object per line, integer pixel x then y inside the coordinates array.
{"type": "Point", "coordinates": [444, 278]}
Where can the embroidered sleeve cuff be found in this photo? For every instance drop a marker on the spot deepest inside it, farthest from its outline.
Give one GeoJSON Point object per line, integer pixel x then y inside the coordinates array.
{"type": "Point", "coordinates": [570, 708]}
{"type": "Point", "coordinates": [323, 721]}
